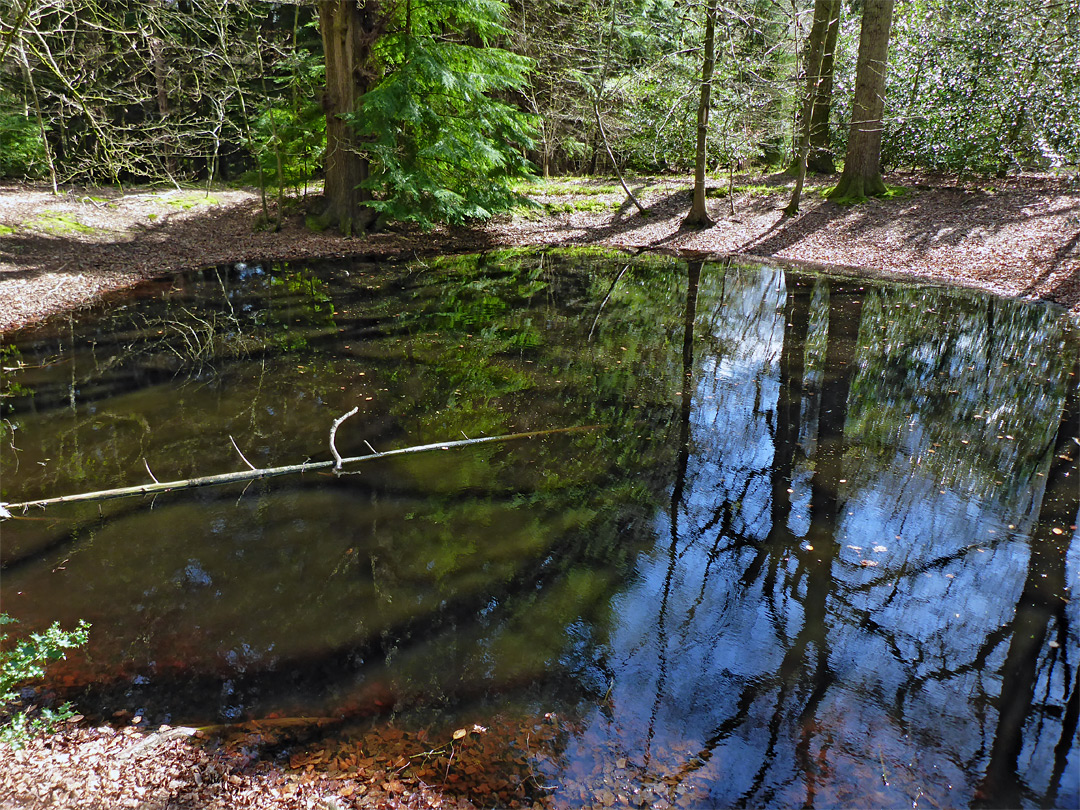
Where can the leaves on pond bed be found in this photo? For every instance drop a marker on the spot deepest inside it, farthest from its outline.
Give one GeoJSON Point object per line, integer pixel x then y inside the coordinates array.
{"type": "Point", "coordinates": [473, 763]}
{"type": "Point", "coordinates": [514, 762]}
{"type": "Point", "coordinates": [531, 761]}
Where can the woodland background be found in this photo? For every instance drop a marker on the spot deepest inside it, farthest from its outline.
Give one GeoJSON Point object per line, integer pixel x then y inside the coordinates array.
{"type": "Point", "coordinates": [461, 98]}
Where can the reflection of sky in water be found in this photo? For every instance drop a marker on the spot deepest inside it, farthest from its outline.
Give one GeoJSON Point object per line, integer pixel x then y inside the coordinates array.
{"type": "Point", "coordinates": [924, 575]}
{"type": "Point", "coordinates": [743, 665]}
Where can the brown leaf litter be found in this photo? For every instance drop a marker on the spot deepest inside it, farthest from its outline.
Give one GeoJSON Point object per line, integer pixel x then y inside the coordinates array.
{"type": "Point", "coordinates": [1018, 236]}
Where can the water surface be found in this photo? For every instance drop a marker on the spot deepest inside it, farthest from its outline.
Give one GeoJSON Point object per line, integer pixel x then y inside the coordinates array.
{"type": "Point", "coordinates": [818, 551]}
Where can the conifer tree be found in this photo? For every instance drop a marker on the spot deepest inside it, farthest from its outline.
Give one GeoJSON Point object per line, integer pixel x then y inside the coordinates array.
{"type": "Point", "coordinates": [349, 32]}
{"type": "Point", "coordinates": [430, 138]}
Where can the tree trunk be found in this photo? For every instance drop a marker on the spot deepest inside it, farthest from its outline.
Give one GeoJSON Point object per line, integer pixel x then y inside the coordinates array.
{"type": "Point", "coordinates": [862, 168]}
{"type": "Point", "coordinates": [49, 160]}
{"type": "Point", "coordinates": [1040, 608]}
{"type": "Point", "coordinates": [820, 157]}
{"type": "Point", "coordinates": [349, 29]}
{"type": "Point", "coordinates": [814, 65]}
{"type": "Point", "coordinates": [698, 216]}
{"type": "Point", "coordinates": [157, 58]}
{"type": "Point", "coordinates": [815, 53]}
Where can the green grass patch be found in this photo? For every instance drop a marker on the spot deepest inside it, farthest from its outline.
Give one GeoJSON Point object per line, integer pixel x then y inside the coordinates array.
{"type": "Point", "coordinates": [189, 201]}
{"type": "Point", "coordinates": [567, 186]}
{"type": "Point", "coordinates": [58, 224]}
{"type": "Point", "coordinates": [758, 190]}
{"type": "Point", "coordinates": [6, 231]}
{"type": "Point", "coordinates": [578, 205]}
{"type": "Point", "coordinates": [891, 193]}
{"type": "Point", "coordinates": [764, 190]}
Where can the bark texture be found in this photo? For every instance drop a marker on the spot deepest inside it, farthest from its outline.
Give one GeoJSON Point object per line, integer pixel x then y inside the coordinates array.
{"type": "Point", "coordinates": [349, 29]}
{"type": "Point", "coordinates": [699, 216]}
{"type": "Point", "coordinates": [814, 60]}
{"type": "Point", "coordinates": [820, 158]}
{"type": "Point", "coordinates": [817, 103]}
{"type": "Point", "coordinates": [862, 168]}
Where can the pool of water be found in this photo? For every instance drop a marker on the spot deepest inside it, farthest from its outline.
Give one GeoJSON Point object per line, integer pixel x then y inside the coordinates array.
{"type": "Point", "coordinates": [818, 549]}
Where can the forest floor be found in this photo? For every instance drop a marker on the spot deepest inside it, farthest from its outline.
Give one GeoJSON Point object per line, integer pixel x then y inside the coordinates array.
{"type": "Point", "coordinates": [105, 767]}
{"type": "Point", "coordinates": [1018, 236]}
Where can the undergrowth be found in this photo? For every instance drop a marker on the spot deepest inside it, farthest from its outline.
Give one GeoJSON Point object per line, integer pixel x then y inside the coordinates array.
{"type": "Point", "coordinates": [23, 660]}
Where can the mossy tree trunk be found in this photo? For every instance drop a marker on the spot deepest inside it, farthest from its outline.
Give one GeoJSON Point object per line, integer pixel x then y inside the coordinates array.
{"type": "Point", "coordinates": [813, 120]}
{"type": "Point", "coordinates": [820, 158]}
{"type": "Point", "coordinates": [349, 30]}
{"type": "Point", "coordinates": [699, 216]}
{"type": "Point", "coordinates": [862, 168]}
{"type": "Point", "coordinates": [814, 61]}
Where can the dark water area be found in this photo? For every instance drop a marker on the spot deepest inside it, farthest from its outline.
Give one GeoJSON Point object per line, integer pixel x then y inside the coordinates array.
{"type": "Point", "coordinates": [820, 549]}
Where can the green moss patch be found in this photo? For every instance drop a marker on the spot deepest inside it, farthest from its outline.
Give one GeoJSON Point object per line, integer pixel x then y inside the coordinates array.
{"type": "Point", "coordinates": [891, 193]}
{"type": "Point", "coordinates": [58, 224]}
{"type": "Point", "coordinates": [578, 205]}
{"type": "Point", "coordinates": [189, 201]}
{"type": "Point", "coordinates": [568, 186]}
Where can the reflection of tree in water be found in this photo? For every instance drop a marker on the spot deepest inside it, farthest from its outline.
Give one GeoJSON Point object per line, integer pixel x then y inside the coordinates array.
{"type": "Point", "coordinates": [804, 673]}
{"type": "Point", "coordinates": [683, 456]}
{"type": "Point", "coordinates": [485, 563]}
{"type": "Point", "coordinates": [1001, 382]}
{"type": "Point", "coordinates": [885, 605]}
{"type": "Point", "coordinates": [1033, 660]}
{"type": "Point", "coordinates": [793, 556]}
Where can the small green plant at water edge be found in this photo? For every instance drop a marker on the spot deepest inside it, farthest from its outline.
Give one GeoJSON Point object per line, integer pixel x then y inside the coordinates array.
{"type": "Point", "coordinates": [23, 660]}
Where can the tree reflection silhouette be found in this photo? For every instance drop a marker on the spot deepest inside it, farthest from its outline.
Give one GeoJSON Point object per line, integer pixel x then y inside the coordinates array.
{"type": "Point", "coordinates": [907, 433]}
{"type": "Point", "coordinates": [1030, 660]}
{"type": "Point", "coordinates": [825, 572]}
{"type": "Point", "coordinates": [686, 403]}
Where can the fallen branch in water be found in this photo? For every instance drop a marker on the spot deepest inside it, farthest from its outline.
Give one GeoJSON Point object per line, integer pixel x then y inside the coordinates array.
{"type": "Point", "coordinates": [6, 509]}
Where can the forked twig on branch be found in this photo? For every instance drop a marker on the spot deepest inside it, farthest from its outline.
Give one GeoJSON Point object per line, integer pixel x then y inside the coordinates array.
{"type": "Point", "coordinates": [338, 461]}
